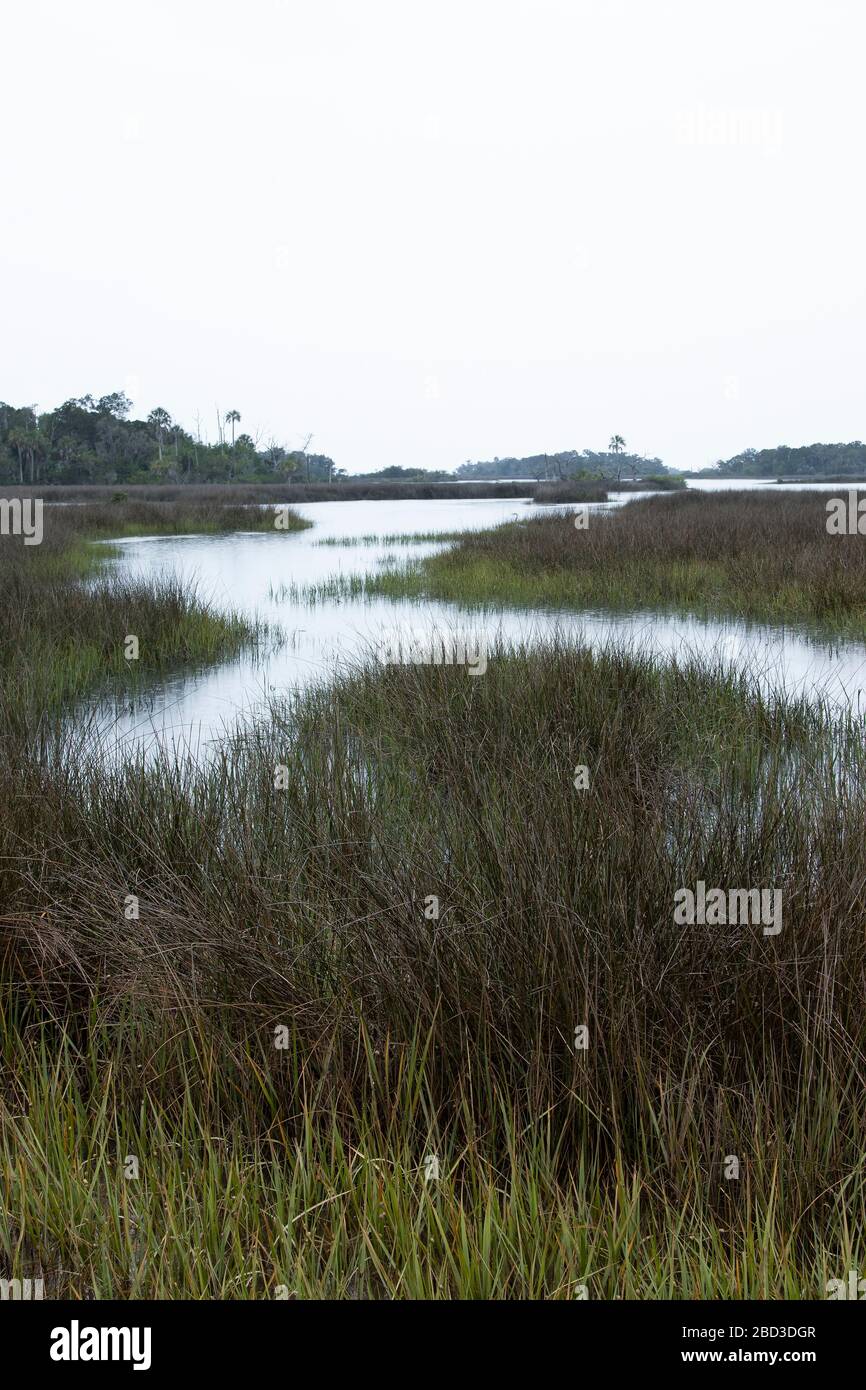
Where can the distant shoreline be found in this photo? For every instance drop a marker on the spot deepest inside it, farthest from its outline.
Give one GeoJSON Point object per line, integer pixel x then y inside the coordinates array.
{"type": "Point", "coordinates": [356, 490]}
{"type": "Point", "coordinates": [831, 479]}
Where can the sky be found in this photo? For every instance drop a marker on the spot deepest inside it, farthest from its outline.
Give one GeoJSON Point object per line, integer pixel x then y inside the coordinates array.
{"type": "Point", "coordinates": [426, 233]}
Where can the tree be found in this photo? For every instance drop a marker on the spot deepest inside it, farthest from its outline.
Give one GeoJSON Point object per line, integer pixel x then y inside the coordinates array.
{"type": "Point", "coordinates": [90, 439]}
{"type": "Point", "coordinates": [233, 418]}
{"type": "Point", "coordinates": [29, 444]}
{"type": "Point", "coordinates": [304, 447]}
{"type": "Point", "coordinates": [617, 445]}
{"type": "Point", "coordinates": [161, 421]}
{"type": "Point", "coordinates": [122, 452]}
{"type": "Point", "coordinates": [17, 440]}
{"type": "Point", "coordinates": [117, 404]}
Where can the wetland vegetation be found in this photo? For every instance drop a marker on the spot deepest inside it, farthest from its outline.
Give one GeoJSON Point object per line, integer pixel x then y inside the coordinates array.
{"type": "Point", "coordinates": [414, 1019]}
{"type": "Point", "coordinates": [760, 555]}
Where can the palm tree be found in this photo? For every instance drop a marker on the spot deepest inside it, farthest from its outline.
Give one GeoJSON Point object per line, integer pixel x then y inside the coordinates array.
{"type": "Point", "coordinates": [17, 440]}
{"type": "Point", "coordinates": [617, 445]}
{"type": "Point", "coordinates": [233, 418]}
{"type": "Point", "coordinates": [28, 444]}
{"type": "Point", "coordinates": [161, 420]}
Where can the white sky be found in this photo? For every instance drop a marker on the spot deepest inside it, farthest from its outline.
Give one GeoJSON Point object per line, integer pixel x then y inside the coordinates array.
{"type": "Point", "coordinates": [435, 232]}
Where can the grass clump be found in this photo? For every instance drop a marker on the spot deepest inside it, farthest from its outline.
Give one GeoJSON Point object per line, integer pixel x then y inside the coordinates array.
{"type": "Point", "coordinates": [63, 624]}
{"type": "Point", "coordinates": [392, 538]}
{"type": "Point", "coordinates": [757, 555]}
{"type": "Point", "coordinates": [139, 516]}
{"type": "Point", "coordinates": [303, 914]}
{"type": "Point", "coordinates": [582, 490]}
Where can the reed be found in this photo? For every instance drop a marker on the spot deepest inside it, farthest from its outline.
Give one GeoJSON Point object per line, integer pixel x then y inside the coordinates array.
{"type": "Point", "coordinates": [64, 620]}
{"type": "Point", "coordinates": [762, 556]}
{"type": "Point", "coordinates": [316, 1034]}
{"type": "Point", "coordinates": [409, 1036]}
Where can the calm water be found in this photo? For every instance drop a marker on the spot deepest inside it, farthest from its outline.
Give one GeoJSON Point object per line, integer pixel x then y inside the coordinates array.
{"type": "Point", "coordinates": [251, 572]}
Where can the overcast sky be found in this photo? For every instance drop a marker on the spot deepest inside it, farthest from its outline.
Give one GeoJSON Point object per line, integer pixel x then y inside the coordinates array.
{"type": "Point", "coordinates": [427, 233]}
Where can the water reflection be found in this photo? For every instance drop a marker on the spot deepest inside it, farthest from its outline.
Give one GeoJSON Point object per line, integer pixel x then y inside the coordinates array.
{"type": "Point", "coordinates": [254, 573]}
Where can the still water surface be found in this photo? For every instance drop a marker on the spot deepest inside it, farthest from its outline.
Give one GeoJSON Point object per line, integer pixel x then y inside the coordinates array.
{"type": "Point", "coordinates": [252, 572]}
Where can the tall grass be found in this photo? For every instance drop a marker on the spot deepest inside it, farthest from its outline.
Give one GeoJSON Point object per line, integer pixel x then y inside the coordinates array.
{"type": "Point", "coordinates": [343, 490]}
{"type": "Point", "coordinates": [410, 1035]}
{"type": "Point", "coordinates": [62, 637]}
{"type": "Point", "coordinates": [580, 490]}
{"type": "Point", "coordinates": [205, 515]}
{"type": "Point", "coordinates": [390, 538]}
{"type": "Point", "coordinates": [758, 555]}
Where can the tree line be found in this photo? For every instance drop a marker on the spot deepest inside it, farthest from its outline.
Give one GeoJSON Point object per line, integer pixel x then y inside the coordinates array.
{"type": "Point", "coordinates": [784, 461]}
{"type": "Point", "coordinates": [613, 463]}
{"type": "Point", "coordinates": [93, 440]}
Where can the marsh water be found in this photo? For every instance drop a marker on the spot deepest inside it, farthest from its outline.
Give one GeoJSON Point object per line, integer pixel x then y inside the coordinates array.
{"type": "Point", "coordinates": [264, 575]}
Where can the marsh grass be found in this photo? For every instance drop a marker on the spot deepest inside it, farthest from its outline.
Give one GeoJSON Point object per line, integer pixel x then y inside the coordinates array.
{"type": "Point", "coordinates": [305, 1211]}
{"type": "Point", "coordinates": [763, 556]}
{"type": "Point", "coordinates": [453, 1036]}
{"type": "Point", "coordinates": [344, 490]}
{"type": "Point", "coordinates": [341, 490]}
{"type": "Point", "coordinates": [579, 490]}
{"type": "Point", "coordinates": [63, 622]}
{"type": "Point", "coordinates": [143, 516]}
{"type": "Point", "coordinates": [394, 538]}
{"type": "Point", "coordinates": [302, 1170]}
